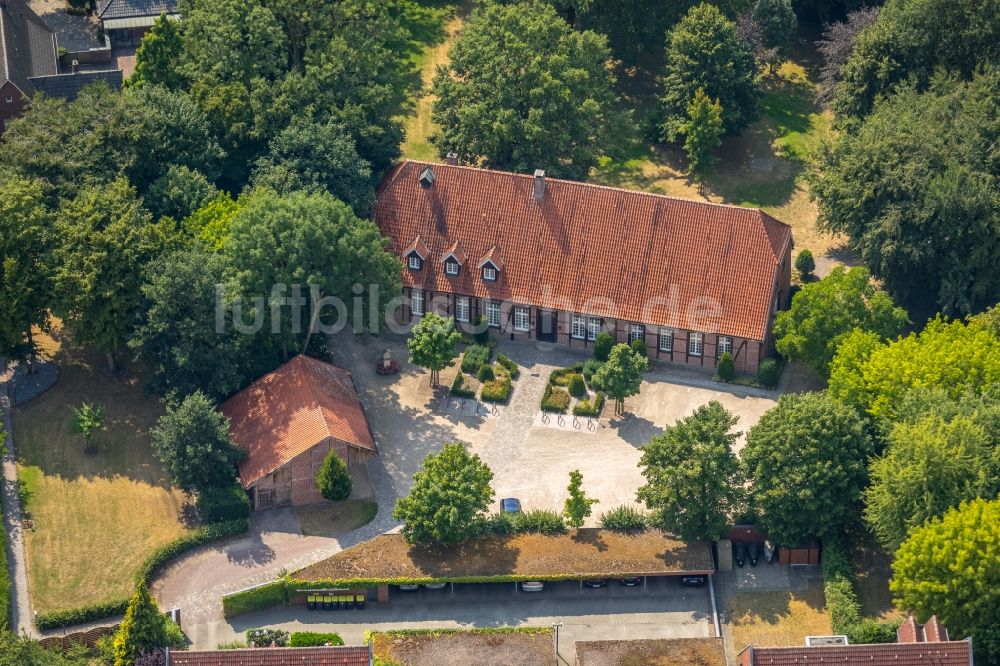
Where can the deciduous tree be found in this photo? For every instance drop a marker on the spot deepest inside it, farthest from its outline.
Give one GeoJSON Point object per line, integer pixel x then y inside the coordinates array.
{"type": "Point", "coordinates": [621, 375]}
{"type": "Point", "coordinates": [693, 478]}
{"type": "Point", "coordinates": [448, 499]}
{"type": "Point", "coordinates": [702, 134]}
{"type": "Point", "coordinates": [577, 507]}
{"type": "Point", "coordinates": [806, 460]}
{"type": "Point", "coordinates": [835, 47]}
{"type": "Point", "coordinates": [178, 193]}
{"type": "Point", "coordinates": [157, 56]}
{"type": "Point", "coordinates": [87, 420]}
{"type": "Point", "coordinates": [778, 24]}
{"type": "Point", "coordinates": [432, 344]}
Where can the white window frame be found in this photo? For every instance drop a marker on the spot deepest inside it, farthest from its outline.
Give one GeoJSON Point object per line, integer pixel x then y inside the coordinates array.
{"type": "Point", "coordinates": [451, 267]}
{"type": "Point", "coordinates": [493, 314]}
{"type": "Point", "coordinates": [667, 336]}
{"type": "Point", "coordinates": [594, 326]}
{"type": "Point", "coordinates": [9, 100]}
{"type": "Point", "coordinates": [696, 344]}
{"type": "Point", "coordinates": [522, 318]}
{"type": "Point", "coordinates": [489, 273]}
{"type": "Point", "coordinates": [462, 308]}
{"type": "Point", "coordinates": [636, 332]}
{"type": "Point", "coordinates": [417, 302]}
{"type": "Point", "coordinates": [414, 262]}
{"type": "Point", "coordinates": [578, 329]}
{"type": "Point", "coordinates": [725, 344]}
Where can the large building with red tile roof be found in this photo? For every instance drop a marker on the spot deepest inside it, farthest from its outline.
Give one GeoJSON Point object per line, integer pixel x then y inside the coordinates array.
{"type": "Point", "coordinates": [559, 261]}
{"type": "Point", "coordinates": [287, 421]}
{"type": "Point", "coordinates": [917, 645]}
{"type": "Point", "coordinates": [343, 655]}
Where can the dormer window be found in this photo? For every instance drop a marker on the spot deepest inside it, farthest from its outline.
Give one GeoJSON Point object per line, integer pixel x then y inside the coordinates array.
{"type": "Point", "coordinates": [451, 267]}
{"type": "Point", "coordinates": [490, 273]}
{"type": "Point", "coordinates": [414, 262]}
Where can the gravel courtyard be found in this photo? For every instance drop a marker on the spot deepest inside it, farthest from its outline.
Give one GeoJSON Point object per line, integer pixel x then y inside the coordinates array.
{"type": "Point", "coordinates": [531, 460]}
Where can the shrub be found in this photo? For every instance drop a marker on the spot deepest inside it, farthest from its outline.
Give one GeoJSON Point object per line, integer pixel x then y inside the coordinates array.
{"type": "Point", "coordinates": [541, 521]}
{"type": "Point", "coordinates": [333, 479]}
{"type": "Point", "coordinates": [218, 505]}
{"type": "Point", "coordinates": [726, 368]}
{"type": "Point", "coordinates": [313, 639]}
{"type": "Point", "coordinates": [555, 399]}
{"type": "Point", "coordinates": [485, 373]}
{"type": "Point", "coordinates": [560, 376]}
{"type": "Point", "coordinates": [842, 601]}
{"type": "Point", "coordinates": [577, 387]}
{"type": "Point", "coordinates": [92, 613]}
{"type": "Point", "coordinates": [458, 387]}
{"type": "Point", "coordinates": [603, 345]}
{"type": "Point", "coordinates": [804, 263]}
{"type": "Point", "coordinates": [769, 372]}
{"type": "Point", "coordinates": [499, 523]}
{"type": "Point", "coordinates": [265, 637]}
{"type": "Point", "coordinates": [483, 332]}
{"type": "Point", "coordinates": [625, 519]}
{"type": "Point", "coordinates": [589, 407]}
{"type": "Point", "coordinates": [232, 645]}
{"type": "Point", "coordinates": [475, 356]}
{"type": "Point", "coordinates": [639, 347]}
{"type": "Point", "coordinates": [589, 368]}
{"type": "Point", "coordinates": [509, 365]}
{"type": "Point", "coordinates": [254, 599]}
{"type": "Point", "coordinates": [181, 545]}
{"type": "Point", "coordinates": [497, 390]}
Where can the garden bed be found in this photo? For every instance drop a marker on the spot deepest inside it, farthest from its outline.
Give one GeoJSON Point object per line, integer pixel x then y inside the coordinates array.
{"type": "Point", "coordinates": [491, 382]}
{"type": "Point", "coordinates": [569, 389]}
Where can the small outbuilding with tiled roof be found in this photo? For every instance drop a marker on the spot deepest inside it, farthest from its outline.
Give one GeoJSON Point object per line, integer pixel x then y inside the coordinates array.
{"type": "Point", "coordinates": [287, 421]}
{"type": "Point", "coordinates": [126, 21]}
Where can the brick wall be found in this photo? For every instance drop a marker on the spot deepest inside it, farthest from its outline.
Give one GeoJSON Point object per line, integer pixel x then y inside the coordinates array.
{"type": "Point", "coordinates": [12, 109]}
{"type": "Point", "coordinates": [300, 473]}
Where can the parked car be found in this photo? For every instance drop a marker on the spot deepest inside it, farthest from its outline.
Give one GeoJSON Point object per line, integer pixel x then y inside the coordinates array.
{"type": "Point", "coordinates": [630, 582]}
{"type": "Point", "coordinates": [436, 586]}
{"type": "Point", "coordinates": [753, 552]}
{"type": "Point", "coordinates": [694, 581]}
{"type": "Point", "coordinates": [409, 587]}
{"type": "Point", "coordinates": [739, 553]}
{"type": "Point", "coordinates": [532, 586]}
{"type": "Point", "coordinates": [769, 552]}
{"type": "Point", "coordinates": [595, 583]}
{"type": "Point", "coordinates": [510, 505]}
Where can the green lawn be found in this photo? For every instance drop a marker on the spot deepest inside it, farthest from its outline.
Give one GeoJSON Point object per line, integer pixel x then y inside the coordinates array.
{"type": "Point", "coordinates": [96, 517]}
{"type": "Point", "coordinates": [335, 518]}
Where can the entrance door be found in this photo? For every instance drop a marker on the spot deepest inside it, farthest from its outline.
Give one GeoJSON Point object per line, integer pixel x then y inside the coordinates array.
{"type": "Point", "coordinates": [546, 326]}
{"type": "Point", "coordinates": [265, 498]}
{"type": "Point", "coordinates": [283, 495]}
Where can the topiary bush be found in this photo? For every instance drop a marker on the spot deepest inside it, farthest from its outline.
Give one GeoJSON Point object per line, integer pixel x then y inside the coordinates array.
{"type": "Point", "coordinates": [769, 372]}
{"type": "Point", "coordinates": [482, 335]}
{"type": "Point", "coordinates": [555, 399]}
{"type": "Point", "coordinates": [459, 389]}
{"type": "Point", "coordinates": [509, 365]}
{"type": "Point", "coordinates": [217, 505]}
{"type": "Point", "coordinates": [589, 368]}
{"type": "Point", "coordinates": [313, 639]}
{"type": "Point", "coordinates": [540, 521]}
{"type": "Point", "coordinates": [333, 479]}
{"type": "Point", "coordinates": [589, 407]}
{"type": "Point", "coordinates": [266, 637]}
{"type": "Point", "coordinates": [485, 373]}
{"type": "Point", "coordinates": [625, 519]}
{"type": "Point", "coordinates": [639, 347]}
{"type": "Point", "coordinates": [576, 386]}
{"type": "Point", "coordinates": [603, 345]}
{"type": "Point", "coordinates": [475, 356]}
{"type": "Point", "coordinates": [726, 368]}
{"type": "Point", "coordinates": [804, 263]}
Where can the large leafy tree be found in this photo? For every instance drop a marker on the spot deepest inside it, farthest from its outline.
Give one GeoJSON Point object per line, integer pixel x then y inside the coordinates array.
{"type": "Point", "coordinates": [179, 193]}
{"type": "Point", "coordinates": [313, 243]}
{"type": "Point", "coordinates": [192, 440]}
{"type": "Point", "coordinates": [309, 156]}
{"type": "Point", "coordinates": [806, 461]}
{"type": "Point", "coordinates": [914, 188]}
{"type": "Point", "coordinates": [693, 478]}
{"type": "Point", "coordinates": [778, 23]}
{"type": "Point", "coordinates": [181, 338]}
{"type": "Point", "coordinates": [523, 91]}
{"type": "Point", "coordinates": [951, 568]}
{"type": "Point", "coordinates": [143, 629]}
{"type": "Point", "coordinates": [823, 312]}
{"type": "Point", "coordinates": [432, 344]}
{"type": "Point", "coordinates": [26, 237]}
{"type": "Point", "coordinates": [835, 47]}
{"type": "Point", "coordinates": [106, 240]}
{"type": "Point", "coordinates": [953, 357]}
{"type": "Point", "coordinates": [930, 466]}
{"type": "Point", "coordinates": [705, 51]}
{"type": "Point", "coordinates": [621, 375]}
{"type": "Point", "coordinates": [448, 499]}
{"type": "Point", "coordinates": [157, 56]}
{"type": "Point", "coordinates": [911, 40]}
{"type": "Point", "coordinates": [702, 134]}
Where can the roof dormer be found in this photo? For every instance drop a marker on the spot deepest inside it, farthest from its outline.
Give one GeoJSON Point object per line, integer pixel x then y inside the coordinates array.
{"type": "Point", "coordinates": [491, 264]}
{"type": "Point", "coordinates": [453, 259]}
{"type": "Point", "coordinates": [416, 254]}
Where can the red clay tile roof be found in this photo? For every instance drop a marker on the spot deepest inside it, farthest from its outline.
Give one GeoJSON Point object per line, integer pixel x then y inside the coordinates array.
{"type": "Point", "coordinates": [288, 411]}
{"type": "Point", "coordinates": [955, 653]}
{"type": "Point", "coordinates": [344, 655]}
{"type": "Point", "coordinates": [585, 242]}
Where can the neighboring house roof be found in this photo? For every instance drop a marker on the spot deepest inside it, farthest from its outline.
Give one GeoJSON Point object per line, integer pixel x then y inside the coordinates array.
{"type": "Point", "coordinates": [68, 86]}
{"type": "Point", "coordinates": [27, 46]}
{"type": "Point", "coordinates": [288, 411]}
{"type": "Point", "coordinates": [344, 655]}
{"type": "Point", "coordinates": [953, 653]}
{"type": "Point", "coordinates": [577, 243]}
{"type": "Point", "coordinates": [119, 9]}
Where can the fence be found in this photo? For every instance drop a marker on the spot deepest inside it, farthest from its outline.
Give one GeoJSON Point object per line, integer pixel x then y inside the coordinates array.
{"type": "Point", "coordinates": [88, 638]}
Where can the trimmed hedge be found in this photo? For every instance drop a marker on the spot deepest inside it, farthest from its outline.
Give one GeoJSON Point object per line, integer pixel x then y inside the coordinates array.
{"type": "Point", "coordinates": [313, 639]}
{"type": "Point", "coordinates": [561, 376]}
{"type": "Point", "coordinates": [255, 599]}
{"type": "Point", "coordinates": [485, 373]}
{"type": "Point", "coordinates": [842, 601]}
{"type": "Point", "coordinates": [458, 387]}
{"type": "Point", "coordinates": [218, 505]}
{"type": "Point", "coordinates": [726, 368]}
{"type": "Point", "coordinates": [590, 407]}
{"type": "Point", "coordinates": [509, 365]}
{"type": "Point", "coordinates": [152, 564]}
{"type": "Point", "coordinates": [4, 578]}
{"type": "Point", "coordinates": [555, 399]}
{"type": "Point", "coordinates": [769, 372]}
{"type": "Point", "coordinates": [371, 633]}
{"type": "Point", "coordinates": [497, 390]}
{"type": "Point", "coordinates": [475, 356]}
{"type": "Point", "coordinates": [576, 386]}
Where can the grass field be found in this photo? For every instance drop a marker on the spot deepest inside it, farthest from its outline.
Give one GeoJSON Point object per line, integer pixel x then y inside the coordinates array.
{"type": "Point", "coordinates": [778, 618]}
{"type": "Point", "coordinates": [335, 518]}
{"type": "Point", "coordinates": [96, 517]}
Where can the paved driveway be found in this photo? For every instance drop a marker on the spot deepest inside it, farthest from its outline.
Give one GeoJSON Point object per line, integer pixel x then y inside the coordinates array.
{"type": "Point", "coordinates": [664, 610]}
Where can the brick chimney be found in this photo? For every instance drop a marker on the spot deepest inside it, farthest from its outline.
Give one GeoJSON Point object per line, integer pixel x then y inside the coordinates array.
{"type": "Point", "coordinates": [539, 189]}
{"type": "Point", "coordinates": [451, 158]}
